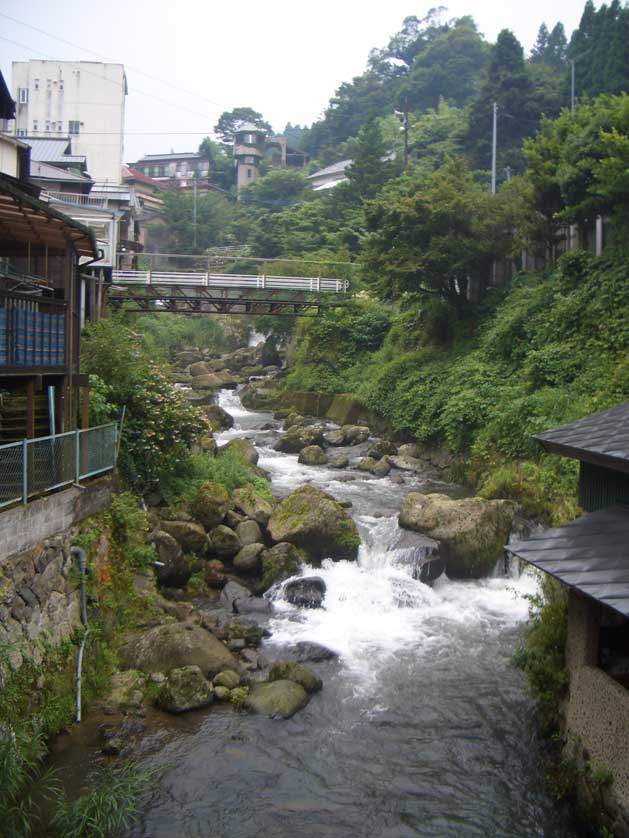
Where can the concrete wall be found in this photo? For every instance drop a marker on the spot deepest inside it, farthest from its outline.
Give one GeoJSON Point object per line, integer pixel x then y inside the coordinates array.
{"type": "Point", "coordinates": [597, 709]}
{"type": "Point", "coordinates": [89, 92]}
{"type": "Point", "coordinates": [22, 527]}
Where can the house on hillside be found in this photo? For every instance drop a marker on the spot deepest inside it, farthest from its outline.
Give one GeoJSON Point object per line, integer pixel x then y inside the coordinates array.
{"type": "Point", "coordinates": [590, 557]}
{"type": "Point", "coordinates": [330, 176]}
{"type": "Point", "coordinates": [147, 204]}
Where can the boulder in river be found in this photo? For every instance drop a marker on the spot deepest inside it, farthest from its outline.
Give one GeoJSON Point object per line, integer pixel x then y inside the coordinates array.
{"type": "Point", "coordinates": [252, 505]}
{"type": "Point", "coordinates": [379, 468]}
{"type": "Point", "coordinates": [277, 699]}
{"type": "Point", "coordinates": [174, 645]}
{"type": "Point", "coordinates": [382, 448]}
{"type": "Point", "coordinates": [471, 531]}
{"type": "Point", "coordinates": [205, 382]}
{"type": "Point", "coordinates": [210, 504]}
{"type": "Point", "coordinates": [249, 532]}
{"type": "Point", "coordinates": [293, 420]}
{"type": "Point", "coordinates": [280, 562]}
{"type": "Point", "coordinates": [185, 689]}
{"type": "Point", "coordinates": [219, 419]}
{"type": "Point", "coordinates": [339, 462]}
{"type": "Point", "coordinates": [223, 541]}
{"type": "Point", "coordinates": [306, 652]}
{"type": "Point", "coordinates": [290, 670]}
{"type": "Point", "coordinates": [239, 600]}
{"type": "Point", "coordinates": [312, 455]}
{"type": "Point", "coordinates": [247, 560]}
{"type": "Point", "coordinates": [190, 536]}
{"type": "Point", "coordinates": [243, 448]}
{"type": "Point", "coordinates": [305, 592]}
{"type": "Point", "coordinates": [299, 437]}
{"type": "Point", "coordinates": [312, 520]}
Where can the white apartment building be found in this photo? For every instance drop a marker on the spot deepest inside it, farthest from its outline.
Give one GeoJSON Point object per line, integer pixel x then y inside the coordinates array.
{"type": "Point", "coordinates": [84, 100]}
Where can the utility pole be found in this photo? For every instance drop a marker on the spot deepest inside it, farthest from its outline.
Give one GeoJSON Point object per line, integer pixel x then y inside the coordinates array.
{"type": "Point", "coordinates": [194, 212]}
{"type": "Point", "coordinates": [572, 85]}
{"type": "Point", "coordinates": [494, 147]}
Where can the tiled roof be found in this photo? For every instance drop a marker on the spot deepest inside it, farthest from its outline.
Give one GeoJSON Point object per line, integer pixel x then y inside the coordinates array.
{"type": "Point", "coordinates": [129, 173]}
{"type": "Point", "coordinates": [590, 555]}
{"type": "Point", "coordinates": [601, 438]}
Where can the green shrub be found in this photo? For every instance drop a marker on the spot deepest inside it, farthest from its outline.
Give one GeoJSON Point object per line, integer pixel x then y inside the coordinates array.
{"type": "Point", "coordinates": [229, 470]}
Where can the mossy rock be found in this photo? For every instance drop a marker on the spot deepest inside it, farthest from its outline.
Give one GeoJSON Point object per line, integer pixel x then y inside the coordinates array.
{"type": "Point", "coordinates": [280, 562]}
{"type": "Point", "coordinates": [471, 532]}
{"type": "Point", "coordinates": [252, 505]}
{"type": "Point", "coordinates": [192, 537]}
{"type": "Point", "coordinates": [288, 670]}
{"type": "Point", "coordinates": [247, 560]}
{"type": "Point", "coordinates": [186, 689]}
{"type": "Point", "coordinates": [277, 699]}
{"type": "Point", "coordinates": [223, 541]}
{"type": "Point", "coordinates": [299, 437]}
{"type": "Point", "coordinates": [243, 448]}
{"type": "Point", "coordinates": [228, 678]}
{"type": "Point", "coordinates": [312, 455]}
{"type": "Point", "coordinates": [315, 522]}
{"type": "Point", "coordinates": [210, 504]}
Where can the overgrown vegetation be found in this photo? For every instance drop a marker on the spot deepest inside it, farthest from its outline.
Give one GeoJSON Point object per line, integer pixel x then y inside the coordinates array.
{"type": "Point", "coordinates": [229, 470]}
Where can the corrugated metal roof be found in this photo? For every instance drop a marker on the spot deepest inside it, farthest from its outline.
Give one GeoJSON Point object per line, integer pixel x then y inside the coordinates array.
{"type": "Point", "coordinates": [590, 554]}
{"type": "Point", "coordinates": [335, 168]}
{"type": "Point", "coordinates": [183, 155]}
{"type": "Point", "coordinates": [52, 150]}
{"type": "Point", "coordinates": [601, 438]}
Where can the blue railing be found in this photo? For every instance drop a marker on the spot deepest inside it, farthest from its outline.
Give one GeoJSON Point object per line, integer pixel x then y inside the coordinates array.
{"type": "Point", "coordinates": [35, 466]}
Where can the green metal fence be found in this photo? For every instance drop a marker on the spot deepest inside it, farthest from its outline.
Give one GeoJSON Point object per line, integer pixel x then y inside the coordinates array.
{"type": "Point", "coordinates": [35, 466]}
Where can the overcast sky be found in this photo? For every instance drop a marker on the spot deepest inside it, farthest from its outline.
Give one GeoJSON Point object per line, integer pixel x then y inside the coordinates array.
{"type": "Point", "coordinates": [188, 61]}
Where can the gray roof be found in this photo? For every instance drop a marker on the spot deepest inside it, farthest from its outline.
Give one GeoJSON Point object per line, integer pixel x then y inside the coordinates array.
{"type": "Point", "coordinates": [590, 555]}
{"type": "Point", "coordinates": [335, 168]}
{"type": "Point", "coordinates": [44, 171]}
{"type": "Point", "coordinates": [52, 150]}
{"type": "Point", "coordinates": [182, 155]}
{"type": "Point", "coordinates": [601, 438]}
{"type": "Point", "coordinates": [250, 128]}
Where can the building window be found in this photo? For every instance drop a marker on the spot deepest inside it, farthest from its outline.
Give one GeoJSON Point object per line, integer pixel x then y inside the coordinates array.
{"type": "Point", "coordinates": [249, 173]}
{"type": "Point", "coordinates": [22, 95]}
{"type": "Point", "coordinates": [74, 126]}
{"type": "Point", "coordinates": [60, 127]}
{"type": "Point", "coordinates": [48, 84]}
{"type": "Point", "coordinates": [35, 125]}
{"type": "Point", "coordinates": [146, 170]}
{"type": "Point", "coordinates": [60, 85]}
{"type": "Point", "coordinates": [47, 125]}
{"type": "Point", "coordinates": [21, 132]}
{"type": "Point", "coordinates": [36, 84]}
{"type": "Point", "coordinates": [155, 171]}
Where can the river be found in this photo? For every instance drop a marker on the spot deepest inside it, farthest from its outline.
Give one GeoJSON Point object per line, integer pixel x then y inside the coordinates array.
{"type": "Point", "coordinates": [422, 728]}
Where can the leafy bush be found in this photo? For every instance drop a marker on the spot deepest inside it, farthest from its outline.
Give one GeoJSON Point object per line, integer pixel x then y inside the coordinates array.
{"type": "Point", "coordinates": [228, 470]}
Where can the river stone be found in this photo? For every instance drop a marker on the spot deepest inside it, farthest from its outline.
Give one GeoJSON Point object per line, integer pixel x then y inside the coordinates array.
{"type": "Point", "coordinates": [409, 449]}
{"type": "Point", "coordinates": [355, 434]}
{"type": "Point", "coordinates": [334, 438]}
{"type": "Point", "coordinates": [293, 420]}
{"type": "Point", "coordinates": [205, 382]}
{"type": "Point", "coordinates": [174, 568]}
{"type": "Point", "coordinates": [174, 645]}
{"type": "Point", "coordinates": [382, 448]}
{"type": "Point", "coordinates": [297, 438]}
{"type": "Point", "coordinates": [221, 693]}
{"type": "Point", "coordinates": [243, 448]}
{"type": "Point", "coordinates": [306, 652]}
{"type": "Point", "coordinates": [249, 532]}
{"type": "Point", "coordinates": [277, 699]}
{"type": "Point", "coordinates": [339, 462]}
{"type": "Point", "coordinates": [219, 418]}
{"type": "Point", "coordinates": [287, 670]}
{"type": "Point", "coordinates": [249, 502]}
{"type": "Point", "coordinates": [306, 592]}
{"type": "Point", "coordinates": [471, 532]}
{"type": "Point", "coordinates": [185, 689]}
{"type": "Point", "coordinates": [247, 560]}
{"type": "Point", "coordinates": [228, 678]}
{"type": "Point", "coordinates": [127, 689]}
{"type": "Point", "coordinates": [210, 504]}
{"type": "Point", "coordinates": [240, 600]}
{"type": "Point", "coordinates": [198, 368]}
{"type": "Point", "coordinates": [312, 455]}
{"type": "Point", "coordinates": [191, 536]}
{"type": "Point", "coordinates": [223, 541]}
{"type": "Point", "coordinates": [280, 562]}
{"type": "Point", "coordinates": [405, 463]}
{"type": "Point", "coordinates": [314, 521]}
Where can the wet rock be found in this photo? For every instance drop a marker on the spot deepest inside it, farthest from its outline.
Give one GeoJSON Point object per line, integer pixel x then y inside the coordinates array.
{"type": "Point", "coordinates": [219, 419]}
{"type": "Point", "coordinates": [306, 592]}
{"type": "Point", "coordinates": [247, 560]}
{"type": "Point", "coordinates": [127, 689]}
{"type": "Point", "coordinates": [312, 455]}
{"type": "Point", "coordinates": [175, 645]}
{"type": "Point", "coordinates": [314, 521]}
{"type": "Point", "coordinates": [221, 693]}
{"type": "Point", "coordinates": [297, 438]}
{"type": "Point", "coordinates": [405, 463]}
{"type": "Point", "coordinates": [238, 697]}
{"type": "Point", "coordinates": [277, 699]}
{"type": "Point", "coordinates": [280, 562]}
{"type": "Point", "coordinates": [249, 532]}
{"type": "Point", "coordinates": [233, 518]}
{"type": "Point", "coordinates": [190, 536]}
{"type": "Point", "coordinates": [215, 574]}
{"type": "Point", "coordinates": [379, 468]}
{"type": "Point", "coordinates": [198, 368]}
{"type": "Point", "coordinates": [293, 420]}
{"type": "Point", "coordinates": [409, 449]}
{"type": "Point", "coordinates": [244, 628]}
{"type": "Point", "coordinates": [223, 541]}
{"type": "Point", "coordinates": [338, 462]}
{"type": "Point", "coordinates": [471, 531]}
{"type": "Point", "coordinates": [382, 448]}
{"type": "Point", "coordinates": [211, 381]}
{"type": "Point", "coordinates": [174, 568]}
{"type": "Point", "coordinates": [186, 689]}
{"type": "Point", "coordinates": [334, 438]}
{"type": "Point", "coordinates": [252, 505]}
{"type": "Point", "coordinates": [269, 355]}
{"type": "Point", "coordinates": [253, 660]}
{"type": "Point", "coordinates": [306, 652]}
{"type": "Point", "coordinates": [243, 448]}
{"type": "Point", "coordinates": [292, 671]}
{"type": "Point", "coordinates": [240, 600]}
{"type": "Point", "coordinates": [210, 504]}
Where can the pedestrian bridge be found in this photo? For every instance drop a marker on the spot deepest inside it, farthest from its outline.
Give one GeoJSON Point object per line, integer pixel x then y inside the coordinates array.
{"type": "Point", "coordinates": [188, 292]}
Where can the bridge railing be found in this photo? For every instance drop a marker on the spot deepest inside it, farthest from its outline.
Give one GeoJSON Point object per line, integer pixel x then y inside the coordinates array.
{"type": "Point", "coordinates": [250, 281]}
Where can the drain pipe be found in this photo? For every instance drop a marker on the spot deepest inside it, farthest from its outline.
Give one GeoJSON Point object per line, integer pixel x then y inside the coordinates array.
{"type": "Point", "coordinates": [79, 552]}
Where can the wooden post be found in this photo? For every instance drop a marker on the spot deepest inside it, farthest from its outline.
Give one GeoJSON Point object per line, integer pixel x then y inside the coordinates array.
{"type": "Point", "coordinates": [30, 409]}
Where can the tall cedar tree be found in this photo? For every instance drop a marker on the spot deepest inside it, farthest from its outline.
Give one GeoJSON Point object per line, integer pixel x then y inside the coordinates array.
{"type": "Point", "coordinates": [370, 169]}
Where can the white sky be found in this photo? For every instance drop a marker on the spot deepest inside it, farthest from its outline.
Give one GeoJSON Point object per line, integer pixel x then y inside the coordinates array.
{"type": "Point", "coordinates": [283, 59]}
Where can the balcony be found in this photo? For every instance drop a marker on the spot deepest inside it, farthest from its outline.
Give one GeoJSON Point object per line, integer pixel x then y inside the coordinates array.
{"type": "Point", "coordinates": [78, 199]}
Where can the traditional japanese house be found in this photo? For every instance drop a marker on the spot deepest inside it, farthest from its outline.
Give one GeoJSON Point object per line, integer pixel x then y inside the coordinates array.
{"type": "Point", "coordinates": [590, 556]}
